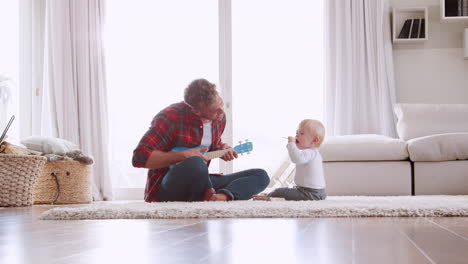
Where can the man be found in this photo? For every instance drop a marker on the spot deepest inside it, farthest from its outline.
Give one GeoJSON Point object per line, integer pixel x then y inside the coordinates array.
{"type": "Point", "coordinates": [183, 175]}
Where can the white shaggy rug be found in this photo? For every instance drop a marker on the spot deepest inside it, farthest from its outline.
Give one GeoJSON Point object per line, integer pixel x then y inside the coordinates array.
{"type": "Point", "coordinates": [335, 206]}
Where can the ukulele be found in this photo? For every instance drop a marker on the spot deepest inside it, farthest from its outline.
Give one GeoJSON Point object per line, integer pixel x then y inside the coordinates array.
{"type": "Point", "coordinates": [240, 149]}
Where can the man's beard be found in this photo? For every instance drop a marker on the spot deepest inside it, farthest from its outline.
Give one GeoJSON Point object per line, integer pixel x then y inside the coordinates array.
{"type": "Point", "coordinates": [219, 118]}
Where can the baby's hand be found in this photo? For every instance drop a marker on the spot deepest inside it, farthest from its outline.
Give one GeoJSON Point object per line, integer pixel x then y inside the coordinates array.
{"type": "Point", "coordinates": [291, 139]}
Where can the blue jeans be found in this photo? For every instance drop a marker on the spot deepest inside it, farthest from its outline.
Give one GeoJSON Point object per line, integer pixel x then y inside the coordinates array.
{"type": "Point", "coordinates": [189, 180]}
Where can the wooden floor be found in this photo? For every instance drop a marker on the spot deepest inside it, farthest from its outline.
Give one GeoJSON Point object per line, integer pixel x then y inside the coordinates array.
{"type": "Point", "coordinates": [25, 239]}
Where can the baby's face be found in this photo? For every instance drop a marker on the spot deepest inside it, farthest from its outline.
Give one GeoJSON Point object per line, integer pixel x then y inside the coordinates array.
{"type": "Point", "coordinates": [304, 139]}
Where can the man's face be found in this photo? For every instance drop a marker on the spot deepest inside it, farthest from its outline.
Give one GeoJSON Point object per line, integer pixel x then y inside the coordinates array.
{"type": "Point", "coordinates": [213, 112]}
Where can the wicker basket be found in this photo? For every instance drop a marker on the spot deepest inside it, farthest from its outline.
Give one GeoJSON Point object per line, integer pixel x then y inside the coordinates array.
{"type": "Point", "coordinates": [64, 182]}
{"type": "Point", "coordinates": [18, 174]}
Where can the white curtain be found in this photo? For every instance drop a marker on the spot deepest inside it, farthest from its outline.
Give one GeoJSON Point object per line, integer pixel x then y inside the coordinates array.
{"type": "Point", "coordinates": [72, 104]}
{"type": "Point", "coordinates": [359, 80]}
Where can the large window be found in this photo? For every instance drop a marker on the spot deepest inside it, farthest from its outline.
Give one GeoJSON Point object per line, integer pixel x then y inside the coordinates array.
{"type": "Point", "coordinates": [153, 50]}
{"type": "Point", "coordinates": [277, 51]}
{"type": "Point", "coordinates": [9, 65]}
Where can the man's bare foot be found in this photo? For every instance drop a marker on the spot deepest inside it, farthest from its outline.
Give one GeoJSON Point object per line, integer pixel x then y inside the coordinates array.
{"type": "Point", "coordinates": [208, 194]}
{"type": "Point", "coordinates": [220, 197]}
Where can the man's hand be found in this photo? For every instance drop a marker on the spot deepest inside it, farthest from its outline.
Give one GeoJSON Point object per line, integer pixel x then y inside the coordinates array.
{"type": "Point", "coordinates": [230, 155]}
{"type": "Point", "coordinates": [195, 152]}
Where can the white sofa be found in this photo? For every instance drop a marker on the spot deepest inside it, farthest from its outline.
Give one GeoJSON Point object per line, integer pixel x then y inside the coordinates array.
{"type": "Point", "coordinates": [437, 139]}
{"type": "Point", "coordinates": [429, 157]}
{"type": "Point", "coordinates": [366, 165]}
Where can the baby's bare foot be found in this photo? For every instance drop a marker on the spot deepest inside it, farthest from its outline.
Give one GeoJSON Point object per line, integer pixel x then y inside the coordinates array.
{"type": "Point", "coordinates": [208, 194]}
{"type": "Point", "coordinates": [220, 197]}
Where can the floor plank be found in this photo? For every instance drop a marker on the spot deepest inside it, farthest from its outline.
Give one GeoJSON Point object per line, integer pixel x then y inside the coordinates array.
{"type": "Point", "coordinates": [25, 239]}
{"type": "Point", "coordinates": [439, 244]}
{"type": "Point", "coordinates": [458, 226]}
{"type": "Point", "coordinates": [379, 240]}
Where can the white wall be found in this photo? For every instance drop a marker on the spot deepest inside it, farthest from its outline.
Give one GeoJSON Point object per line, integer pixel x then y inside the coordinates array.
{"type": "Point", "coordinates": [433, 71]}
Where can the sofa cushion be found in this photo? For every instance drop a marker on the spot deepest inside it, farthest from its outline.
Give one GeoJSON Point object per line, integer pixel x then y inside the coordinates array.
{"type": "Point", "coordinates": [419, 120]}
{"type": "Point", "coordinates": [49, 145]}
{"type": "Point", "coordinates": [441, 147]}
{"type": "Point", "coordinates": [365, 147]}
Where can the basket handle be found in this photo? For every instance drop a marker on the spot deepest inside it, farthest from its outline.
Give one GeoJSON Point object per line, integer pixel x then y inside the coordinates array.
{"type": "Point", "coordinates": [54, 175]}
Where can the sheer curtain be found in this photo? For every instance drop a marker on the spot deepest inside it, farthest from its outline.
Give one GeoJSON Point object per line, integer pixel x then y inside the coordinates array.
{"type": "Point", "coordinates": [151, 56]}
{"type": "Point", "coordinates": [9, 68]}
{"type": "Point", "coordinates": [68, 84]}
{"type": "Point", "coordinates": [359, 80]}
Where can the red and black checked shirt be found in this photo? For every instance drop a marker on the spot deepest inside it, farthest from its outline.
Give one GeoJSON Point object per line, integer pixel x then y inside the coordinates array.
{"type": "Point", "coordinates": [174, 126]}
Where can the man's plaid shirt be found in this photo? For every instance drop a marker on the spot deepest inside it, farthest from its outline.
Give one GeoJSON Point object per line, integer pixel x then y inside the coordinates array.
{"type": "Point", "coordinates": [174, 126]}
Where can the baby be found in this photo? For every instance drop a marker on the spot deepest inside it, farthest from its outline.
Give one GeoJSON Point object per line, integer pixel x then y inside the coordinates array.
{"type": "Point", "coordinates": [303, 151]}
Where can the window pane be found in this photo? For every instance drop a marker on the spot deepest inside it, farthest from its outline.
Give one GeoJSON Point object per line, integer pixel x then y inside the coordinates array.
{"type": "Point", "coordinates": [153, 50]}
{"type": "Point", "coordinates": [277, 74]}
{"type": "Point", "coordinates": [9, 66]}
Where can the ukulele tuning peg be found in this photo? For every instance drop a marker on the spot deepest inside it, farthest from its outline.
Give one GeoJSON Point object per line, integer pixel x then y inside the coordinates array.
{"type": "Point", "coordinates": [240, 142]}
{"type": "Point", "coordinates": [246, 140]}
